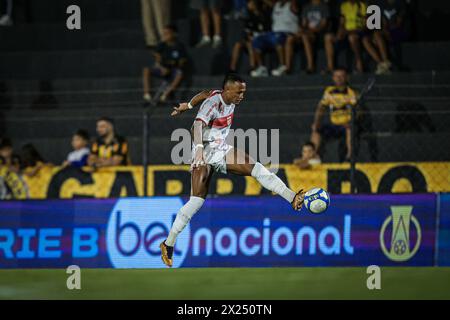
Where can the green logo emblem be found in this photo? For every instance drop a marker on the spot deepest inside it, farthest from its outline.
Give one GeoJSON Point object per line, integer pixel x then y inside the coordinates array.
{"type": "Point", "coordinates": [401, 219]}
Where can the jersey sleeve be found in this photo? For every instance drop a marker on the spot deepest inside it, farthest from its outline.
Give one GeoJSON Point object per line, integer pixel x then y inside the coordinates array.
{"type": "Point", "coordinates": [121, 148]}
{"type": "Point", "coordinates": [325, 101]}
{"type": "Point", "coordinates": [206, 112]}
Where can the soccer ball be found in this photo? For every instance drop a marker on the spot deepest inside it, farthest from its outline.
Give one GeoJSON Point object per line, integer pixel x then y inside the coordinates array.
{"type": "Point", "coordinates": [317, 200]}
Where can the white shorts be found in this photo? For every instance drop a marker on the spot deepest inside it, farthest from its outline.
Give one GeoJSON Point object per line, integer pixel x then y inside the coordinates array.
{"type": "Point", "coordinates": [215, 157]}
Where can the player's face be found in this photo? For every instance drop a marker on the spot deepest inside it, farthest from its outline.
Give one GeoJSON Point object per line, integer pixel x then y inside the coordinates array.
{"type": "Point", "coordinates": [339, 78]}
{"type": "Point", "coordinates": [103, 128]}
{"type": "Point", "coordinates": [236, 91]}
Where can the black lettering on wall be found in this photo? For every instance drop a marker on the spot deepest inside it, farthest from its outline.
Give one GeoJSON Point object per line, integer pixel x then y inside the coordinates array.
{"type": "Point", "coordinates": [161, 178]}
{"type": "Point", "coordinates": [414, 176]}
{"type": "Point", "coordinates": [336, 177]}
{"type": "Point", "coordinates": [124, 179]}
{"type": "Point", "coordinates": [54, 188]}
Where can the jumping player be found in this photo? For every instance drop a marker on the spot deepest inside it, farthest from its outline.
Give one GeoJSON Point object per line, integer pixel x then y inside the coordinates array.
{"type": "Point", "coordinates": [211, 153]}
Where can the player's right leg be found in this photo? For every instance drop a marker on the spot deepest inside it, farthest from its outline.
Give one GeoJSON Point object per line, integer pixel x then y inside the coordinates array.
{"type": "Point", "coordinates": [240, 163]}
{"type": "Point", "coordinates": [200, 178]}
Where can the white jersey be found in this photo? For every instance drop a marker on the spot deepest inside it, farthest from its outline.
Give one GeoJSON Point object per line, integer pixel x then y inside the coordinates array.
{"type": "Point", "coordinates": [218, 117]}
{"type": "Point", "coordinates": [284, 20]}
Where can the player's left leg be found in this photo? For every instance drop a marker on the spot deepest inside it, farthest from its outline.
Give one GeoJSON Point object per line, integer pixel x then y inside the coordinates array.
{"type": "Point", "coordinates": [240, 163]}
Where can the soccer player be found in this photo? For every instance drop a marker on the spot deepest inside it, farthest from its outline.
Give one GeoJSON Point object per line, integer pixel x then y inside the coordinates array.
{"type": "Point", "coordinates": [211, 153]}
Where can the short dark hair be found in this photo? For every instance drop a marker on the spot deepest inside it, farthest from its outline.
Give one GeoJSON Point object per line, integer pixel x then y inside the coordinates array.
{"type": "Point", "coordinates": [340, 68]}
{"type": "Point", "coordinates": [172, 27]}
{"type": "Point", "coordinates": [309, 144]}
{"type": "Point", "coordinates": [232, 77]}
{"type": "Point", "coordinates": [83, 134]}
{"type": "Point", "coordinates": [107, 119]}
{"type": "Point", "coordinates": [5, 143]}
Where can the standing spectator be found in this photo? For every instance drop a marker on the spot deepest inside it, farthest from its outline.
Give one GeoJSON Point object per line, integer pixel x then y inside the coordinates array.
{"type": "Point", "coordinates": [79, 156]}
{"type": "Point", "coordinates": [314, 26]}
{"type": "Point", "coordinates": [257, 22]}
{"type": "Point", "coordinates": [353, 27]}
{"type": "Point", "coordinates": [206, 7]}
{"type": "Point", "coordinates": [339, 99]}
{"type": "Point", "coordinates": [155, 15]}
{"type": "Point", "coordinates": [285, 22]}
{"type": "Point", "coordinates": [309, 157]}
{"type": "Point", "coordinates": [170, 58]}
{"type": "Point", "coordinates": [108, 149]}
{"type": "Point", "coordinates": [6, 18]}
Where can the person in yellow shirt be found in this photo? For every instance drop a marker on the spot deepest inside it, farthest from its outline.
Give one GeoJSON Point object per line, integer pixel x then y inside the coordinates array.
{"type": "Point", "coordinates": [352, 26]}
{"type": "Point", "coordinates": [339, 99]}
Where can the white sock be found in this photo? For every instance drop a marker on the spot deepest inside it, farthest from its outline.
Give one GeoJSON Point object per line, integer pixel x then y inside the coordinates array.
{"type": "Point", "coordinates": [183, 217]}
{"type": "Point", "coordinates": [270, 181]}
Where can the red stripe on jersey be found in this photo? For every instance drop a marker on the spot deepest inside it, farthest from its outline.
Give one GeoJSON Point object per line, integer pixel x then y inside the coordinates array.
{"type": "Point", "coordinates": [214, 92]}
{"type": "Point", "coordinates": [222, 122]}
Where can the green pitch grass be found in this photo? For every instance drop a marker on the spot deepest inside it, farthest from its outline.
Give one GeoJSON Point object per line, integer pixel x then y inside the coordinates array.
{"type": "Point", "coordinates": [227, 283]}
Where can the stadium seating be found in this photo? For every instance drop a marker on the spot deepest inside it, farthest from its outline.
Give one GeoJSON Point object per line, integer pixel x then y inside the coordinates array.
{"type": "Point", "coordinates": [96, 71]}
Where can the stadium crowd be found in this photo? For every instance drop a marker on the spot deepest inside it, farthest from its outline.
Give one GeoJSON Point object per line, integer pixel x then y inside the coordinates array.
{"type": "Point", "coordinates": [280, 26]}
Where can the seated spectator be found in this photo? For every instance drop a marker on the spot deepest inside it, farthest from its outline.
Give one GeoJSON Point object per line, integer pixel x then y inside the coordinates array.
{"type": "Point", "coordinates": [8, 157]}
{"type": "Point", "coordinates": [6, 151]}
{"type": "Point", "coordinates": [309, 157]}
{"type": "Point", "coordinates": [32, 161]}
{"type": "Point", "coordinates": [108, 149]}
{"type": "Point", "coordinates": [238, 10]}
{"type": "Point", "coordinates": [6, 17]}
{"type": "Point", "coordinates": [339, 99]}
{"type": "Point", "coordinates": [258, 21]}
{"type": "Point", "coordinates": [205, 7]}
{"type": "Point", "coordinates": [285, 22]}
{"type": "Point", "coordinates": [79, 156]}
{"type": "Point", "coordinates": [393, 30]}
{"type": "Point", "coordinates": [155, 15]}
{"type": "Point", "coordinates": [353, 27]}
{"type": "Point", "coordinates": [314, 26]}
{"type": "Point", "coordinates": [170, 58]}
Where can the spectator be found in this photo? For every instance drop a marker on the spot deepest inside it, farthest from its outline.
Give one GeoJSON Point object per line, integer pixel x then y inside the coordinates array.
{"type": "Point", "coordinates": [79, 156]}
{"type": "Point", "coordinates": [170, 58]}
{"type": "Point", "coordinates": [339, 99]}
{"type": "Point", "coordinates": [258, 21]}
{"type": "Point", "coordinates": [6, 151]}
{"type": "Point", "coordinates": [309, 156]}
{"type": "Point", "coordinates": [108, 149]}
{"type": "Point", "coordinates": [205, 7]}
{"type": "Point", "coordinates": [6, 18]}
{"type": "Point", "coordinates": [284, 23]}
{"type": "Point", "coordinates": [237, 11]}
{"type": "Point", "coordinates": [393, 28]}
{"type": "Point", "coordinates": [353, 27]}
{"type": "Point", "coordinates": [8, 157]}
{"type": "Point", "coordinates": [155, 15]}
{"type": "Point", "coordinates": [314, 26]}
{"type": "Point", "coordinates": [32, 161]}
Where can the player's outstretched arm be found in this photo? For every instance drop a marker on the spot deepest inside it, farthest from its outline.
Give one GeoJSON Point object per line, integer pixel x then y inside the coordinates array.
{"type": "Point", "coordinates": [196, 100]}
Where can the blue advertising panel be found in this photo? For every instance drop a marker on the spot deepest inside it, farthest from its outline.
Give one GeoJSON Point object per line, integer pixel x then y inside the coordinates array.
{"type": "Point", "coordinates": [227, 232]}
{"type": "Point", "coordinates": [444, 230]}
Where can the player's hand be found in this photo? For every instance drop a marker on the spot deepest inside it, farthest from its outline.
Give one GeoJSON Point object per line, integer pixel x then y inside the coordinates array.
{"type": "Point", "coordinates": [182, 107]}
{"type": "Point", "coordinates": [198, 159]}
